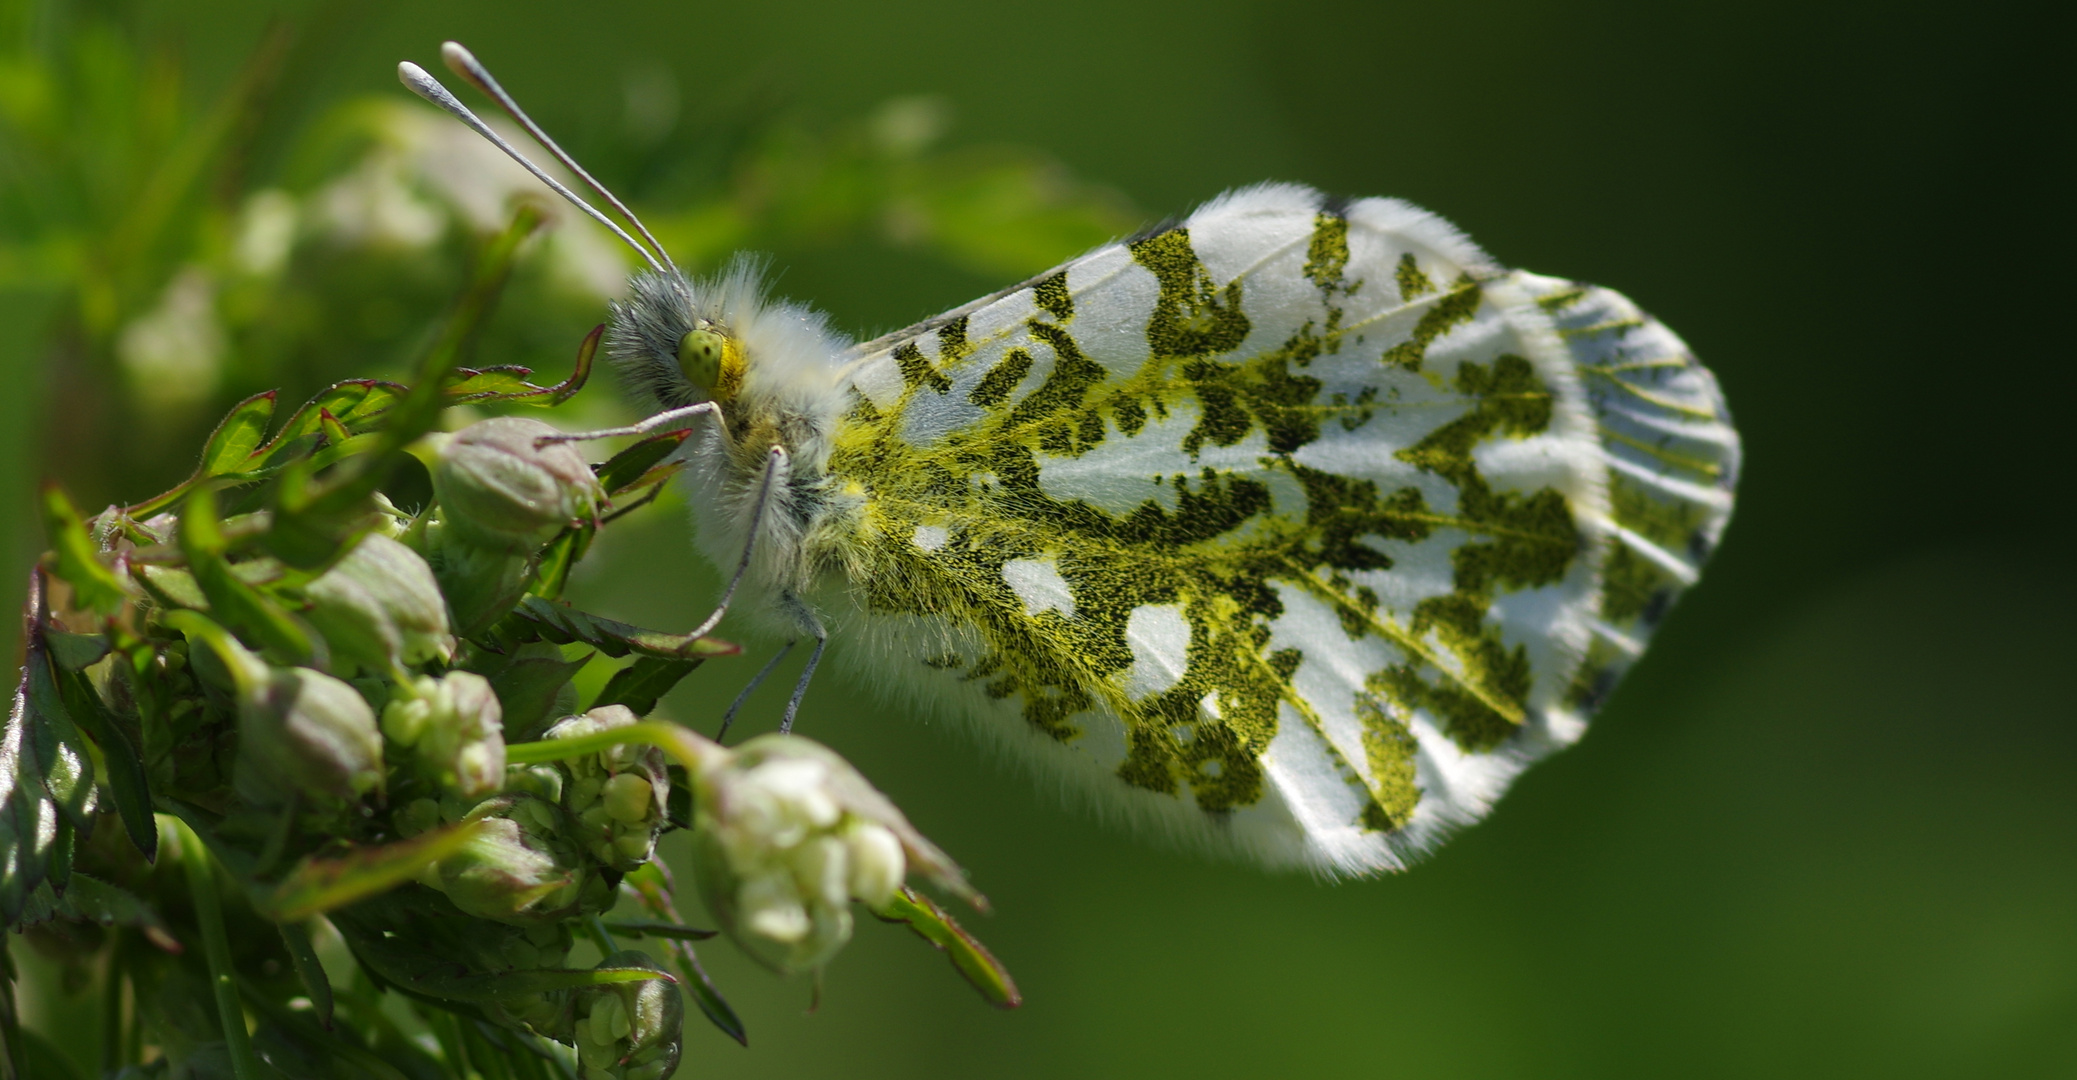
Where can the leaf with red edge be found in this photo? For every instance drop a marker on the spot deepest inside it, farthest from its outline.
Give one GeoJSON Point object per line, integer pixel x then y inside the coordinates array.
{"type": "Point", "coordinates": [241, 432]}
{"type": "Point", "coordinates": [969, 957]}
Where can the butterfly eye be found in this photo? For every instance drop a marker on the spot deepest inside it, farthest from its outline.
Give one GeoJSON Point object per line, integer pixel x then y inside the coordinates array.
{"type": "Point", "coordinates": [699, 357]}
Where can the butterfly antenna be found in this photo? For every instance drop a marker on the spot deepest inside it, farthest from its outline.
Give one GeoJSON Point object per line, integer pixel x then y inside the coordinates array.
{"type": "Point", "coordinates": [464, 63]}
{"type": "Point", "coordinates": [429, 88]}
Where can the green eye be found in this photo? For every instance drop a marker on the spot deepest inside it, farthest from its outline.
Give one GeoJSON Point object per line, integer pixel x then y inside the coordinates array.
{"type": "Point", "coordinates": [699, 357]}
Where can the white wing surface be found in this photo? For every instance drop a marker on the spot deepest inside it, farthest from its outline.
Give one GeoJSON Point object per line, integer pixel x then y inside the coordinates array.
{"type": "Point", "coordinates": [1295, 529]}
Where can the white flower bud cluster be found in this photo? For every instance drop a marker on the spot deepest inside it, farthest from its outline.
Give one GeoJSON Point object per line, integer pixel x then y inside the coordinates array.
{"type": "Point", "coordinates": [455, 730]}
{"type": "Point", "coordinates": [629, 1031]}
{"type": "Point", "coordinates": [616, 797]}
{"type": "Point", "coordinates": [781, 856]}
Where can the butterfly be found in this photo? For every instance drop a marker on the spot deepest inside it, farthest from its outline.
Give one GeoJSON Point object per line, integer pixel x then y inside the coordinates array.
{"type": "Point", "coordinates": [1293, 529]}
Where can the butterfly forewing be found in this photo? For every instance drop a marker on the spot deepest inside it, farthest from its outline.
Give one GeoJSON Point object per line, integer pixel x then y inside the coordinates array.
{"type": "Point", "coordinates": [1299, 527]}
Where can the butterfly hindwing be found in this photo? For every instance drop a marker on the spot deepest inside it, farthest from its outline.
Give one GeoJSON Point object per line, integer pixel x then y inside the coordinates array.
{"type": "Point", "coordinates": [1287, 526]}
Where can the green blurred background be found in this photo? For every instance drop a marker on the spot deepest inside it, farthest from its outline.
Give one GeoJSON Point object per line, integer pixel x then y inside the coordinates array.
{"type": "Point", "coordinates": [1829, 828]}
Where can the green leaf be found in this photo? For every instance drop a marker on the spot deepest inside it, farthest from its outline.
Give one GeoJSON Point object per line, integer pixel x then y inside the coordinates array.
{"type": "Point", "coordinates": [969, 957]}
{"type": "Point", "coordinates": [673, 931]}
{"type": "Point", "coordinates": [126, 771]}
{"type": "Point", "coordinates": [508, 384]}
{"type": "Point", "coordinates": [296, 936]}
{"type": "Point", "coordinates": [552, 567]}
{"type": "Point", "coordinates": [355, 404]}
{"type": "Point", "coordinates": [527, 688]}
{"type": "Point", "coordinates": [75, 652]}
{"type": "Point", "coordinates": [95, 587]}
{"type": "Point", "coordinates": [241, 432]}
{"type": "Point", "coordinates": [318, 885]}
{"type": "Point", "coordinates": [708, 997]}
{"type": "Point", "coordinates": [631, 468]}
{"type": "Point", "coordinates": [562, 625]}
{"type": "Point", "coordinates": [335, 432]}
{"type": "Point", "coordinates": [89, 899]}
{"type": "Point", "coordinates": [475, 384]}
{"type": "Point", "coordinates": [232, 602]}
{"type": "Point", "coordinates": [62, 761]}
{"type": "Point", "coordinates": [172, 587]}
{"type": "Point", "coordinates": [640, 684]}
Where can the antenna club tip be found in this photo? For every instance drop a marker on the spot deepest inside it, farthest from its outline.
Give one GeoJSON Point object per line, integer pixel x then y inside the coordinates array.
{"type": "Point", "coordinates": [409, 73]}
{"type": "Point", "coordinates": [457, 55]}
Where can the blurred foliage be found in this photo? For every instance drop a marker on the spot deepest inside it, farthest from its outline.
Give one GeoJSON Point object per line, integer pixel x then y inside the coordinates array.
{"type": "Point", "coordinates": [204, 254]}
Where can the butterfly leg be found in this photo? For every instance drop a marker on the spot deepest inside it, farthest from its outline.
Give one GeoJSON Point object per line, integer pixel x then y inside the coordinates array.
{"type": "Point", "coordinates": [800, 689]}
{"type": "Point", "coordinates": [774, 467]}
{"type": "Point", "coordinates": [668, 420]}
{"type": "Point", "coordinates": [756, 680]}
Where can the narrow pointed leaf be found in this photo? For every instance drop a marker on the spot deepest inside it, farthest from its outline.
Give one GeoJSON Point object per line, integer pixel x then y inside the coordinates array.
{"type": "Point", "coordinates": [562, 625]}
{"type": "Point", "coordinates": [674, 931]}
{"type": "Point", "coordinates": [90, 899]}
{"type": "Point", "coordinates": [241, 432]}
{"type": "Point", "coordinates": [28, 820]}
{"type": "Point", "coordinates": [126, 772]}
{"type": "Point", "coordinates": [318, 885]}
{"type": "Point", "coordinates": [652, 890]}
{"type": "Point", "coordinates": [296, 936]}
{"type": "Point", "coordinates": [335, 432]}
{"type": "Point", "coordinates": [969, 957]}
{"type": "Point", "coordinates": [552, 567]}
{"type": "Point", "coordinates": [708, 997]}
{"type": "Point", "coordinates": [63, 764]}
{"type": "Point", "coordinates": [508, 384]}
{"type": "Point", "coordinates": [95, 587]}
{"type": "Point", "coordinates": [630, 468]}
{"type": "Point", "coordinates": [478, 384]}
{"type": "Point", "coordinates": [527, 689]}
{"type": "Point", "coordinates": [355, 403]}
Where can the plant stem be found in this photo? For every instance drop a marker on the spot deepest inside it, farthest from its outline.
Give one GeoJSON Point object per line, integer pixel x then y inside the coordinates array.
{"type": "Point", "coordinates": [216, 947]}
{"type": "Point", "coordinates": [602, 936]}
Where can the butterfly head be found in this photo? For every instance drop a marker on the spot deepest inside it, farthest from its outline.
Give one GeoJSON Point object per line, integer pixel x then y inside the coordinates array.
{"type": "Point", "coordinates": [711, 361]}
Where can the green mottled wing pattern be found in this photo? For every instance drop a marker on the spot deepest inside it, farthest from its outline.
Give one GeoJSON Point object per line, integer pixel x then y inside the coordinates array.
{"type": "Point", "coordinates": [1296, 529]}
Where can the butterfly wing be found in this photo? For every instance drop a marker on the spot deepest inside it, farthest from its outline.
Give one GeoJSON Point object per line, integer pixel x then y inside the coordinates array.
{"type": "Point", "coordinates": [1298, 528]}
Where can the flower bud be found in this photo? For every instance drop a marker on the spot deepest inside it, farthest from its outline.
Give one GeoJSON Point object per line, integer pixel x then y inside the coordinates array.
{"type": "Point", "coordinates": [785, 835]}
{"type": "Point", "coordinates": [629, 1031]}
{"type": "Point", "coordinates": [519, 867]}
{"type": "Point", "coordinates": [305, 732]}
{"type": "Point", "coordinates": [380, 607]}
{"type": "Point", "coordinates": [454, 729]}
{"type": "Point", "coordinates": [615, 798]}
{"type": "Point", "coordinates": [498, 490]}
